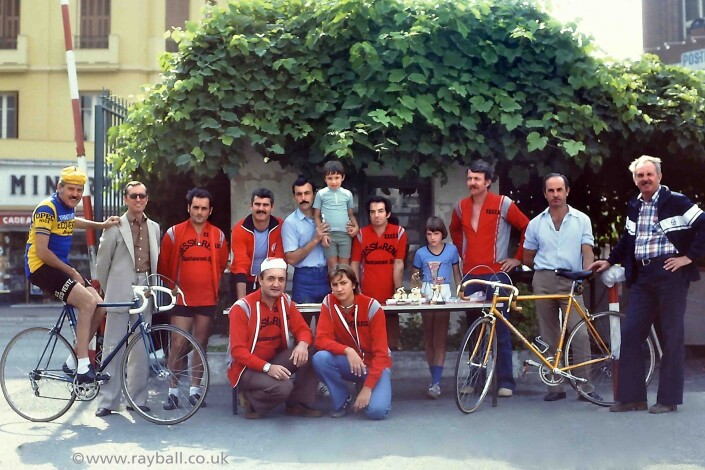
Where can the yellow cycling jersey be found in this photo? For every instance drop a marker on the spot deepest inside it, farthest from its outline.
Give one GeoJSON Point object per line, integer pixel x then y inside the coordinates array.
{"type": "Point", "coordinates": [54, 219]}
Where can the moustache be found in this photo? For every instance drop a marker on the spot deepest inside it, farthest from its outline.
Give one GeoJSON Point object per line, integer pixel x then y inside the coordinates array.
{"type": "Point", "coordinates": [260, 212]}
{"type": "Point", "coordinates": [304, 202]}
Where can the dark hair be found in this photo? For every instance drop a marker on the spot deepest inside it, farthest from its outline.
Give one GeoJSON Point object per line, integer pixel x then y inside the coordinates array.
{"type": "Point", "coordinates": [556, 175]}
{"type": "Point", "coordinates": [373, 199]}
{"type": "Point", "coordinates": [333, 167]}
{"type": "Point", "coordinates": [133, 184]}
{"type": "Point", "coordinates": [481, 166]}
{"type": "Point", "coordinates": [200, 193]}
{"type": "Point", "coordinates": [301, 180]}
{"type": "Point", "coordinates": [344, 269]}
{"type": "Point", "coordinates": [436, 224]}
{"type": "Point", "coordinates": [262, 193]}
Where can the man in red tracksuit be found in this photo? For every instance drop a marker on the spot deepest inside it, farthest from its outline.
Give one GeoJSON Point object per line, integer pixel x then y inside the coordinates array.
{"type": "Point", "coordinates": [254, 238]}
{"type": "Point", "coordinates": [194, 254]}
{"type": "Point", "coordinates": [351, 338]}
{"type": "Point", "coordinates": [480, 227]}
{"type": "Point", "coordinates": [263, 363]}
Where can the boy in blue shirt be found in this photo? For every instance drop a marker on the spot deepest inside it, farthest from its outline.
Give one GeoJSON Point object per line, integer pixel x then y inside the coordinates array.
{"type": "Point", "coordinates": [334, 205]}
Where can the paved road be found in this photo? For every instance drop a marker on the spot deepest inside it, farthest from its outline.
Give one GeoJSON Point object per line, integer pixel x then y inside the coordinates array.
{"type": "Point", "coordinates": [522, 432]}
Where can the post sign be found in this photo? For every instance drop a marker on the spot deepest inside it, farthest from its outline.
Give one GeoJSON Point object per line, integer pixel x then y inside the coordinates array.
{"type": "Point", "coordinates": [694, 60]}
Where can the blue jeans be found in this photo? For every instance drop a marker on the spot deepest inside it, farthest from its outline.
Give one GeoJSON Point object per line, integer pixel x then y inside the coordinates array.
{"type": "Point", "coordinates": [310, 285]}
{"type": "Point", "coordinates": [334, 371]}
{"type": "Point", "coordinates": [505, 371]}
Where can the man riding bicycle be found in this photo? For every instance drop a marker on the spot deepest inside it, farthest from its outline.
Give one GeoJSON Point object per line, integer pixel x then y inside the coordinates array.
{"type": "Point", "coordinates": [46, 264]}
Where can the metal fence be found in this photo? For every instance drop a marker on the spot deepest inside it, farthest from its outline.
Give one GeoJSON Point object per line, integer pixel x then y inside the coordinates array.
{"type": "Point", "coordinates": [110, 111]}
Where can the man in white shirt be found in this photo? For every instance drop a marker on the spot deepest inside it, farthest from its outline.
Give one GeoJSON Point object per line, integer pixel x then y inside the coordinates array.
{"type": "Point", "coordinates": [560, 237]}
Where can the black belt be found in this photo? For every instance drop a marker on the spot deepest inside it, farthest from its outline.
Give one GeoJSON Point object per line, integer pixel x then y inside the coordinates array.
{"type": "Point", "coordinates": [655, 259]}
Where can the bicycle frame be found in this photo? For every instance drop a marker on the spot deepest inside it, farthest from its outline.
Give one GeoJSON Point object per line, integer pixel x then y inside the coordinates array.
{"type": "Point", "coordinates": [69, 314]}
{"type": "Point", "coordinates": [571, 302]}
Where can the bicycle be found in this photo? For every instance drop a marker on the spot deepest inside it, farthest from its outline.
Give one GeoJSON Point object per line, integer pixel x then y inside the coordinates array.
{"type": "Point", "coordinates": [591, 371]}
{"type": "Point", "coordinates": [39, 386]}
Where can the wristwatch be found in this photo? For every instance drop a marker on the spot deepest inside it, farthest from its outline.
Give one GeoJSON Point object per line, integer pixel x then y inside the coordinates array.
{"type": "Point", "coordinates": [266, 367]}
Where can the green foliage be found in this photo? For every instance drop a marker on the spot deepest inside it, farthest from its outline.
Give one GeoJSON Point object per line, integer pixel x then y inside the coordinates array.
{"type": "Point", "coordinates": [416, 85]}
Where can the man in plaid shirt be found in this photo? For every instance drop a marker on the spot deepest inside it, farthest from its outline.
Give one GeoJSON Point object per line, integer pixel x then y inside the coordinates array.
{"type": "Point", "coordinates": [664, 235]}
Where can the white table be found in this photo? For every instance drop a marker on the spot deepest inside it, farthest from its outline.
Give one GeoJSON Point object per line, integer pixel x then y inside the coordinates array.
{"type": "Point", "coordinates": [411, 308]}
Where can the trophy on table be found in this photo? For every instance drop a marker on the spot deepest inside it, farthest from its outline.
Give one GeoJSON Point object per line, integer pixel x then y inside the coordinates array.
{"type": "Point", "coordinates": [436, 287]}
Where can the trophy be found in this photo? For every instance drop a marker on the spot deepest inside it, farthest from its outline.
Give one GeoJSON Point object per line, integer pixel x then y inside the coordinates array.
{"type": "Point", "coordinates": [437, 297]}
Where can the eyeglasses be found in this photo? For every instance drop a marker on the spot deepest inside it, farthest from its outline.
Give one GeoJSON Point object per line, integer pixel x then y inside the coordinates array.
{"type": "Point", "coordinates": [137, 196]}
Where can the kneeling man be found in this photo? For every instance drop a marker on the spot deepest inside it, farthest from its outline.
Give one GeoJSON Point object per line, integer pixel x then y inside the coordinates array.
{"type": "Point", "coordinates": [262, 363]}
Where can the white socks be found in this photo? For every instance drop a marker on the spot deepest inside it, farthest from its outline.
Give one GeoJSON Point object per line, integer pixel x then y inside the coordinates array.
{"type": "Point", "coordinates": [83, 363]}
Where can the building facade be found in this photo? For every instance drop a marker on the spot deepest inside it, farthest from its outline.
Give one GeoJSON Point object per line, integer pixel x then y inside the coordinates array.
{"type": "Point", "coordinates": [117, 46]}
{"type": "Point", "coordinates": [674, 30]}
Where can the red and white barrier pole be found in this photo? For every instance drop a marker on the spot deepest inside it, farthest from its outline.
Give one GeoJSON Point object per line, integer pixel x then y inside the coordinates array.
{"type": "Point", "coordinates": [78, 131]}
{"type": "Point", "coordinates": [80, 149]}
{"type": "Point", "coordinates": [615, 333]}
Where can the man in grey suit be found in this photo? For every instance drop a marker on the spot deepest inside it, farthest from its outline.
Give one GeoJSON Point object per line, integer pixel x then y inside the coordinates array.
{"type": "Point", "coordinates": [127, 254]}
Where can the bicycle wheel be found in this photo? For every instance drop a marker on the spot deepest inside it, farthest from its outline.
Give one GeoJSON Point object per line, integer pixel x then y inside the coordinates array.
{"type": "Point", "coordinates": [475, 365]}
{"type": "Point", "coordinates": [602, 374]}
{"type": "Point", "coordinates": [33, 381]}
{"type": "Point", "coordinates": [180, 363]}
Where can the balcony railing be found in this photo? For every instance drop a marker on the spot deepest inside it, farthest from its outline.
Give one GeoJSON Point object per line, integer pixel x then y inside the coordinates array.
{"type": "Point", "coordinates": [91, 42]}
{"type": "Point", "coordinates": [8, 42]}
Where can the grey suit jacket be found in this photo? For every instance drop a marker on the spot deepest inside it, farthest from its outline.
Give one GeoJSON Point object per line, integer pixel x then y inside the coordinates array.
{"type": "Point", "coordinates": [116, 260]}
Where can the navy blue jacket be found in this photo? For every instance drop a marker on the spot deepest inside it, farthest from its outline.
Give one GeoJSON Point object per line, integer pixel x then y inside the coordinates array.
{"type": "Point", "coordinates": [683, 223]}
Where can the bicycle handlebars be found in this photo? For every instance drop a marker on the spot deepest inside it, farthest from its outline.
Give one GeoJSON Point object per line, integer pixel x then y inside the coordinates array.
{"type": "Point", "coordinates": [492, 284]}
{"type": "Point", "coordinates": [142, 292]}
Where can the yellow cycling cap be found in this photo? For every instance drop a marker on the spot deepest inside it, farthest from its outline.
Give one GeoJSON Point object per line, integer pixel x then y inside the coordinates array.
{"type": "Point", "coordinates": [72, 175]}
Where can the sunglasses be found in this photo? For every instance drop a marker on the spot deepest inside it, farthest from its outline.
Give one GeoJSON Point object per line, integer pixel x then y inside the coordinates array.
{"type": "Point", "coordinates": [137, 196]}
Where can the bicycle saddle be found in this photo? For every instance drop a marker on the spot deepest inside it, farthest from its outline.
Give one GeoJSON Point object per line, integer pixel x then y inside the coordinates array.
{"type": "Point", "coordinates": [573, 275]}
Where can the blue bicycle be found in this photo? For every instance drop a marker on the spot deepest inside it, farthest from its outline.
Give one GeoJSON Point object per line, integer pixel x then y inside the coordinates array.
{"type": "Point", "coordinates": [39, 386]}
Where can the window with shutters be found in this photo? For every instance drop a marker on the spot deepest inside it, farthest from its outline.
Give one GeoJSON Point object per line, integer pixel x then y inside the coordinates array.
{"type": "Point", "coordinates": [9, 23]}
{"type": "Point", "coordinates": [94, 24]}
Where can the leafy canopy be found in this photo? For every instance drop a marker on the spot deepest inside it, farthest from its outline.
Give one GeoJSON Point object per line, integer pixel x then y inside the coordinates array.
{"type": "Point", "coordinates": [418, 86]}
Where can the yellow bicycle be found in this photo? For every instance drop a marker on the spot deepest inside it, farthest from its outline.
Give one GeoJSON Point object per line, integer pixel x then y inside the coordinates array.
{"type": "Point", "coordinates": [589, 360]}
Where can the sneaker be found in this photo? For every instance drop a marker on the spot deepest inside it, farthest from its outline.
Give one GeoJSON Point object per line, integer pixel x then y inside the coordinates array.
{"type": "Point", "coordinates": [193, 399]}
{"type": "Point", "coordinates": [466, 390]}
{"type": "Point", "coordinates": [504, 392]}
{"type": "Point", "coordinates": [343, 410]}
{"type": "Point", "coordinates": [67, 370]}
{"type": "Point", "coordinates": [323, 390]}
{"type": "Point", "coordinates": [302, 410]}
{"type": "Point", "coordinates": [91, 376]}
{"type": "Point", "coordinates": [434, 391]}
{"type": "Point", "coordinates": [171, 403]}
